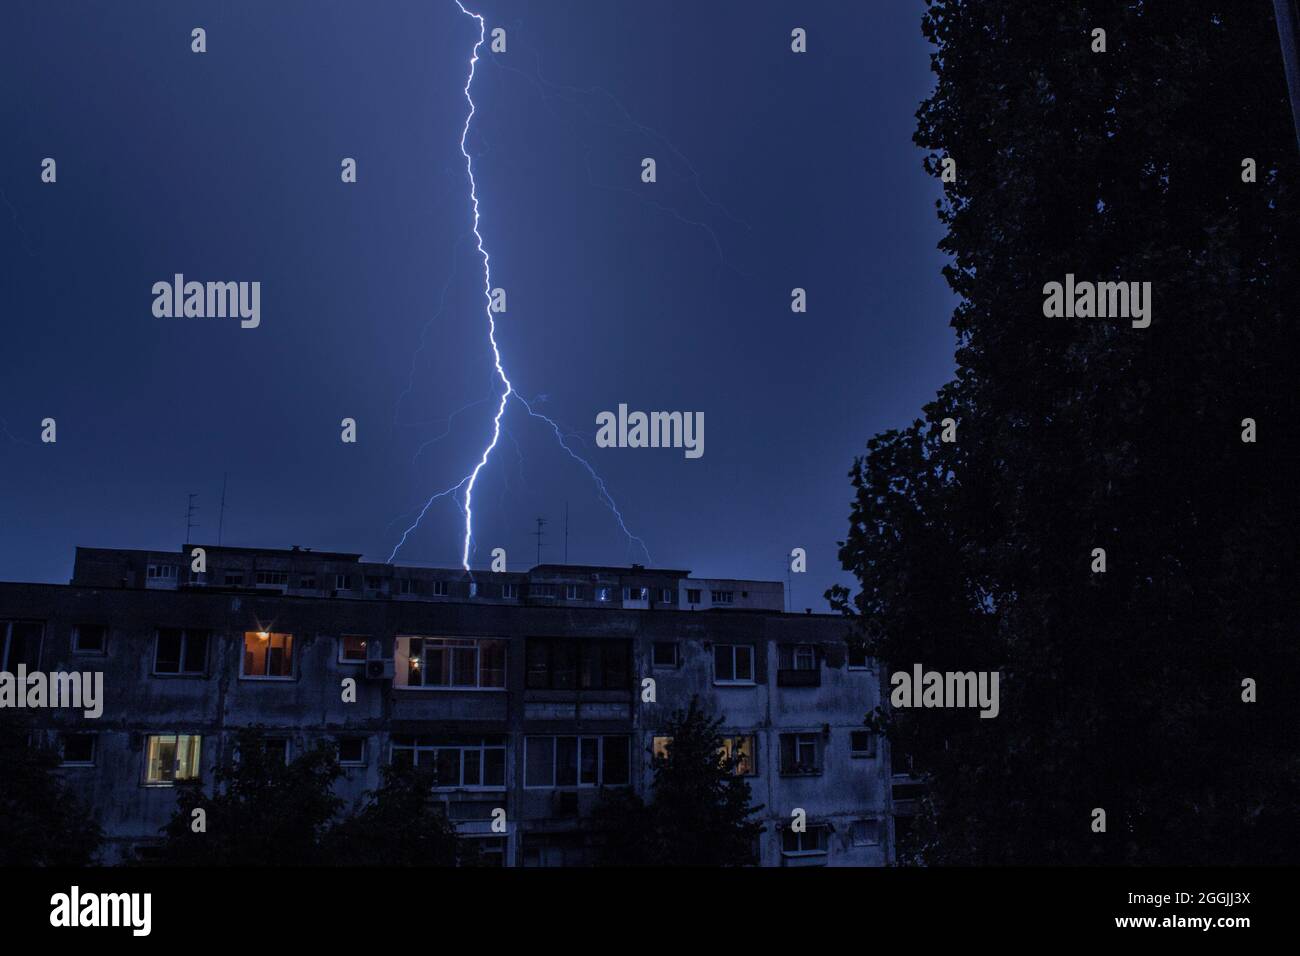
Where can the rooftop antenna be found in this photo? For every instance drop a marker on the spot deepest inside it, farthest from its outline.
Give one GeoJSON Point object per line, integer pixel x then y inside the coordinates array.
{"type": "Point", "coordinates": [221, 517]}
{"type": "Point", "coordinates": [190, 508]}
{"type": "Point", "coordinates": [538, 535]}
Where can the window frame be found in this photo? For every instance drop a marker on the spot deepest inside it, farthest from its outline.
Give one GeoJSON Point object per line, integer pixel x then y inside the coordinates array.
{"type": "Point", "coordinates": [579, 740]}
{"type": "Point", "coordinates": [291, 647]}
{"type": "Point", "coordinates": [871, 750]}
{"type": "Point", "coordinates": [734, 681]}
{"type": "Point", "coordinates": [197, 760]}
{"type": "Point", "coordinates": [449, 646]}
{"type": "Point", "coordinates": [353, 661]}
{"type": "Point", "coordinates": [63, 743]}
{"type": "Point", "coordinates": [433, 746]}
{"type": "Point", "coordinates": [181, 671]}
{"type": "Point", "coordinates": [677, 655]}
{"type": "Point", "coordinates": [101, 651]}
{"type": "Point", "coordinates": [6, 645]}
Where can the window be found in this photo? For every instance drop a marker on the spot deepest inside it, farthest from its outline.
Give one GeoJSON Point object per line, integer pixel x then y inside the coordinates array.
{"type": "Point", "coordinates": [576, 762]}
{"type": "Point", "coordinates": [487, 851]}
{"type": "Point", "coordinates": [692, 595]}
{"type": "Point", "coordinates": [664, 654]}
{"type": "Point", "coordinates": [274, 578]}
{"type": "Point", "coordinates": [90, 639]}
{"type": "Point", "coordinates": [541, 590]}
{"type": "Point", "coordinates": [405, 586]}
{"type": "Point", "coordinates": [277, 748]}
{"type": "Point", "coordinates": [78, 750]}
{"type": "Point", "coordinates": [636, 594]}
{"type": "Point", "coordinates": [20, 643]}
{"type": "Point", "coordinates": [722, 597]}
{"type": "Point", "coordinates": [573, 592]}
{"type": "Point", "coordinates": [733, 663]}
{"type": "Point", "coordinates": [798, 657]}
{"type": "Point", "coordinates": [741, 748]}
{"type": "Point", "coordinates": [604, 593]}
{"type": "Point", "coordinates": [858, 659]}
{"type": "Point", "coordinates": [171, 758]}
{"type": "Point", "coordinates": [374, 583]}
{"type": "Point", "coordinates": [181, 652]}
{"type": "Point", "coordinates": [444, 662]}
{"type": "Point", "coordinates": [510, 591]}
{"type": "Point", "coordinates": [352, 751]}
{"type": "Point", "coordinates": [811, 841]}
{"type": "Point", "coordinates": [865, 832]}
{"type": "Point", "coordinates": [800, 754]}
{"type": "Point", "coordinates": [342, 582]}
{"type": "Point", "coordinates": [234, 579]}
{"type": "Point", "coordinates": [307, 582]}
{"type": "Point", "coordinates": [569, 664]}
{"type": "Point", "coordinates": [862, 743]}
{"type": "Point", "coordinates": [458, 762]}
{"type": "Point", "coordinates": [268, 656]}
{"type": "Point", "coordinates": [439, 588]}
{"type": "Point", "coordinates": [667, 596]}
{"type": "Point", "coordinates": [162, 572]}
{"type": "Point", "coordinates": [352, 649]}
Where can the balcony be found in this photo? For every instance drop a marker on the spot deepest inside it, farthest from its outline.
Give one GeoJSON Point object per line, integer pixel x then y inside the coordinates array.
{"type": "Point", "coordinates": [791, 677]}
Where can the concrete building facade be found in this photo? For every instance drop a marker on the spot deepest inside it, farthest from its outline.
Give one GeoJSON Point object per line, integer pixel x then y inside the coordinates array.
{"type": "Point", "coordinates": [526, 690]}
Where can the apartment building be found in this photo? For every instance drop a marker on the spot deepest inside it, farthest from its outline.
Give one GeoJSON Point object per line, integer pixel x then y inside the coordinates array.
{"type": "Point", "coordinates": [525, 690]}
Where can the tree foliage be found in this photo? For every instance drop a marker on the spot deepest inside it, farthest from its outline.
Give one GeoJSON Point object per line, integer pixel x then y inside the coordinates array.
{"type": "Point", "coordinates": [42, 821]}
{"type": "Point", "coordinates": [699, 814]}
{"type": "Point", "coordinates": [1120, 690]}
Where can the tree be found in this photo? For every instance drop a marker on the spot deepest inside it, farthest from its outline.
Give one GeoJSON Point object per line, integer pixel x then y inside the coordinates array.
{"type": "Point", "coordinates": [42, 822]}
{"type": "Point", "coordinates": [264, 811]}
{"type": "Point", "coordinates": [1121, 689]}
{"type": "Point", "coordinates": [401, 824]}
{"type": "Point", "coordinates": [700, 812]}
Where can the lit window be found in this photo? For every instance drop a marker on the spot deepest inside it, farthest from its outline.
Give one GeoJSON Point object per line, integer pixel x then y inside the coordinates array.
{"type": "Point", "coordinates": [90, 639]}
{"type": "Point", "coordinates": [181, 652]}
{"type": "Point", "coordinates": [664, 654]}
{"type": "Point", "coordinates": [659, 749]}
{"type": "Point", "coordinates": [466, 663]}
{"type": "Point", "coordinates": [172, 758]}
{"type": "Point", "coordinates": [741, 748]}
{"type": "Point", "coordinates": [78, 750]}
{"type": "Point", "coordinates": [352, 751]}
{"type": "Point", "coordinates": [576, 762]}
{"type": "Point", "coordinates": [733, 664]}
{"type": "Point", "coordinates": [459, 763]}
{"type": "Point", "coordinates": [604, 594]}
{"type": "Point", "coordinates": [800, 754]}
{"type": "Point", "coordinates": [267, 655]}
{"type": "Point", "coordinates": [862, 743]}
{"type": "Point", "coordinates": [722, 597]}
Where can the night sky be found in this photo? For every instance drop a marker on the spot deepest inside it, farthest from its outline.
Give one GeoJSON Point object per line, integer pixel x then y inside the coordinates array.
{"type": "Point", "coordinates": [775, 170]}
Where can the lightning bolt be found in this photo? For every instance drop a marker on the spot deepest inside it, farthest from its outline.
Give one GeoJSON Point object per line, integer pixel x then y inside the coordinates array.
{"type": "Point", "coordinates": [471, 479]}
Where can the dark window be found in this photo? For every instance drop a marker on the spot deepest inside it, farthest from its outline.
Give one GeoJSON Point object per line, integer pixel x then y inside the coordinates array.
{"type": "Point", "coordinates": [617, 765]}
{"type": "Point", "coordinates": [563, 664]}
{"type": "Point", "coordinates": [733, 663]}
{"type": "Point", "coordinates": [91, 639]}
{"type": "Point", "coordinates": [234, 579]}
{"type": "Point", "coordinates": [665, 654]}
{"type": "Point", "coordinates": [692, 595]}
{"type": "Point", "coordinates": [863, 743]}
{"type": "Point", "coordinates": [352, 750]}
{"type": "Point", "coordinates": [20, 643]}
{"type": "Point", "coordinates": [181, 652]}
{"type": "Point", "coordinates": [857, 657]}
{"type": "Point", "coordinates": [800, 754]}
{"type": "Point", "coordinates": [78, 748]}
{"type": "Point", "coordinates": [352, 649]}
{"type": "Point", "coordinates": [277, 748]}
{"type": "Point", "coordinates": [811, 840]}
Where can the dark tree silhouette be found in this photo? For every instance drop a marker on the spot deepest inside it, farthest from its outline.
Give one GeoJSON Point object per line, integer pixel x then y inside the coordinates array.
{"type": "Point", "coordinates": [700, 810]}
{"type": "Point", "coordinates": [42, 822]}
{"type": "Point", "coordinates": [1120, 690]}
{"type": "Point", "coordinates": [401, 824]}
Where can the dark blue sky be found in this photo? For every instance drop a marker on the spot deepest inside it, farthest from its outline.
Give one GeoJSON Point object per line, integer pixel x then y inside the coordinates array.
{"type": "Point", "coordinates": [775, 170]}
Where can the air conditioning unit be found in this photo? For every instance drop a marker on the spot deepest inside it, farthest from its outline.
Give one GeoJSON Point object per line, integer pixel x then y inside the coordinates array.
{"type": "Point", "coordinates": [380, 669]}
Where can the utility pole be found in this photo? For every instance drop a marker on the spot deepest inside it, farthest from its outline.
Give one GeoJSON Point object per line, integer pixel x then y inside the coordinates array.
{"type": "Point", "coordinates": [221, 518]}
{"type": "Point", "coordinates": [190, 509]}
{"type": "Point", "coordinates": [1287, 13]}
{"type": "Point", "coordinates": [538, 535]}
